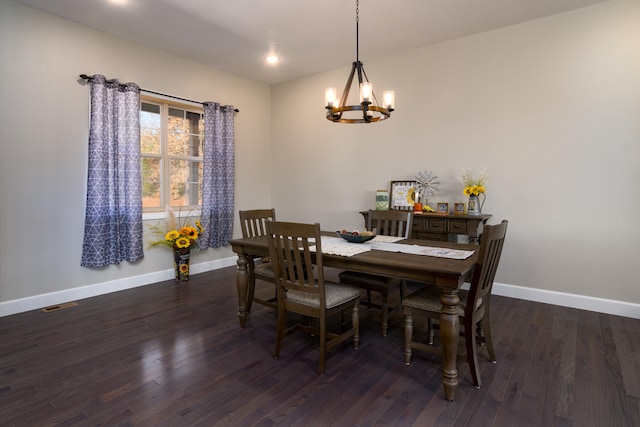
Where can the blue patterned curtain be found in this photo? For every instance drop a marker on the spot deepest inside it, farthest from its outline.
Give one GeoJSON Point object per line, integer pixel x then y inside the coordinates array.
{"type": "Point", "coordinates": [113, 220]}
{"type": "Point", "coordinates": [218, 176]}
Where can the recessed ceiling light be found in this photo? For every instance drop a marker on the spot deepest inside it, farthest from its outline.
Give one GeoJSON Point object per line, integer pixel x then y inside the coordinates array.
{"type": "Point", "coordinates": [272, 59]}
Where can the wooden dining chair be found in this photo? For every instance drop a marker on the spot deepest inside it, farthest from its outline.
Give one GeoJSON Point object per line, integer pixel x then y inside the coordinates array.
{"type": "Point", "coordinates": [386, 223]}
{"type": "Point", "coordinates": [253, 224]}
{"type": "Point", "coordinates": [302, 289]}
{"type": "Point", "coordinates": [473, 309]}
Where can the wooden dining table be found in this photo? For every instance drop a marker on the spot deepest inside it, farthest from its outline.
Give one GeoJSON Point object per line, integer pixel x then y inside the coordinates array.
{"type": "Point", "coordinates": [445, 273]}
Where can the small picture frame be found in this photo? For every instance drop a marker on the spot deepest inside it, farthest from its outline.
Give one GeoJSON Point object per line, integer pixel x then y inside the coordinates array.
{"type": "Point", "coordinates": [443, 208]}
{"type": "Point", "coordinates": [458, 208]}
{"type": "Point", "coordinates": [402, 195]}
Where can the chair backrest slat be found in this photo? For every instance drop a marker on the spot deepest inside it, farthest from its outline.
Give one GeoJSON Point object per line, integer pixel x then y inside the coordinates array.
{"type": "Point", "coordinates": [492, 241]}
{"type": "Point", "coordinates": [390, 222]}
{"type": "Point", "coordinates": [253, 222]}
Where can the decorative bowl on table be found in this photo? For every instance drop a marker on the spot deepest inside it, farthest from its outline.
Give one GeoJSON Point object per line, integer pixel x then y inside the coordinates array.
{"type": "Point", "coordinates": [355, 238]}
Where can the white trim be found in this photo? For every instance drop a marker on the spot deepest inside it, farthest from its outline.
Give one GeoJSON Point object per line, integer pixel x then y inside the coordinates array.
{"type": "Point", "coordinates": [35, 302]}
{"type": "Point", "coordinates": [160, 215]}
{"type": "Point", "coordinates": [599, 305]}
{"type": "Point", "coordinates": [148, 216]}
{"type": "Point", "coordinates": [581, 302]}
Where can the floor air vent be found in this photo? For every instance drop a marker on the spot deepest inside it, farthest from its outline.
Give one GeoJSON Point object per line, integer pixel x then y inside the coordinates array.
{"type": "Point", "coordinates": [59, 307]}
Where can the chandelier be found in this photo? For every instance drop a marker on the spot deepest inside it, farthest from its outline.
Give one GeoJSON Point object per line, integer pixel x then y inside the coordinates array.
{"type": "Point", "coordinates": [371, 109]}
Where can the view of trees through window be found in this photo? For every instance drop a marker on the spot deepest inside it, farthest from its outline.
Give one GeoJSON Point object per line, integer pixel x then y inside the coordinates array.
{"type": "Point", "coordinates": [171, 140]}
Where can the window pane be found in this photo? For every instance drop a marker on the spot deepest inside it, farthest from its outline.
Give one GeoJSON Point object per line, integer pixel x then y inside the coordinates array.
{"type": "Point", "coordinates": [186, 183]}
{"type": "Point", "coordinates": [184, 133]}
{"type": "Point", "coordinates": [149, 128]}
{"type": "Point", "coordinates": [178, 136]}
{"type": "Point", "coordinates": [176, 112]}
{"type": "Point", "coordinates": [195, 137]}
{"type": "Point", "coordinates": [151, 182]}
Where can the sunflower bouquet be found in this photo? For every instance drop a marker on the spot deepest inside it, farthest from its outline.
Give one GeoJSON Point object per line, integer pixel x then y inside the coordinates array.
{"type": "Point", "coordinates": [177, 234]}
{"type": "Point", "coordinates": [473, 186]}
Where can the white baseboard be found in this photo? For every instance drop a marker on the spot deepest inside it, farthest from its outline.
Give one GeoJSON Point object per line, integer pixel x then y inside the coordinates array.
{"type": "Point", "coordinates": [46, 300]}
{"type": "Point", "coordinates": [618, 308]}
{"type": "Point", "coordinates": [582, 302]}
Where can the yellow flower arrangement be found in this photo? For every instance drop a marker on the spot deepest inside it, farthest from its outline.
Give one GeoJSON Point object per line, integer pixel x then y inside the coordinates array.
{"type": "Point", "coordinates": [178, 235]}
{"type": "Point", "coordinates": [473, 187]}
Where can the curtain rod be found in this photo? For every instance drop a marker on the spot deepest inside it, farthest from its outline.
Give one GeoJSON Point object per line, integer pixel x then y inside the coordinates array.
{"type": "Point", "coordinates": [87, 77]}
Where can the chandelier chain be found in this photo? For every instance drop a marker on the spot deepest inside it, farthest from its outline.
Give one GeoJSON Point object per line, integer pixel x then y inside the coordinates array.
{"type": "Point", "coordinates": [357, 30]}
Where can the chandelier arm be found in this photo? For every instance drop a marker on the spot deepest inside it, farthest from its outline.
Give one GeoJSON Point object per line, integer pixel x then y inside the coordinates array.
{"type": "Point", "coordinates": [360, 68]}
{"type": "Point", "coordinates": [347, 87]}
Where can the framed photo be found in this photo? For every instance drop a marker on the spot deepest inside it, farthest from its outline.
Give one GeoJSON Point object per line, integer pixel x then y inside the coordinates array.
{"type": "Point", "coordinates": [443, 208]}
{"type": "Point", "coordinates": [402, 195]}
{"type": "Point", "coordinates": [458, 208]}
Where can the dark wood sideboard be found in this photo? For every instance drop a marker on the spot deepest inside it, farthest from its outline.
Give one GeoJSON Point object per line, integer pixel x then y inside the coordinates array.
{"type": "Point", "coordinates": [434, 226]}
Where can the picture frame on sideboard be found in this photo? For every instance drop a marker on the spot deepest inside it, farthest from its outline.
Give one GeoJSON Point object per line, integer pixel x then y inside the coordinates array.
{"type": "Point", "coordinates": [402, 195]}
{"type": "Point", "coordinates": [443, 208]}
{"type": "Point", "coordinates": [458, 208]}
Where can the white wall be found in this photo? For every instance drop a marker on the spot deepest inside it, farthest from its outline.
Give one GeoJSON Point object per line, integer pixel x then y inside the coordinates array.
{"type": "Point", "coordinates": [552, 109]}
{"type": "Point", "coordinates": [44, 117]}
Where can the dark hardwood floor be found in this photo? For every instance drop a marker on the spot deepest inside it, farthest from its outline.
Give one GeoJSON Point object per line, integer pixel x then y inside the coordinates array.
{"type": "Point", "coordinates": [174, 355]}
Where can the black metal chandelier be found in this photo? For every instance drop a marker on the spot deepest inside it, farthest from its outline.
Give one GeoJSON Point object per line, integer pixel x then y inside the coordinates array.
{"type": "Point", "coordinates": [371, 110]}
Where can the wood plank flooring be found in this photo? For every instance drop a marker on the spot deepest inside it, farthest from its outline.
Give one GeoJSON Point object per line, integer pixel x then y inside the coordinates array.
{"type": "Point", "coordinates": [172, 354]}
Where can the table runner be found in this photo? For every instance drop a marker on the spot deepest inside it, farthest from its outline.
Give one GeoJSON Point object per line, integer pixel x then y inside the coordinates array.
{"type": "Point", "coordinates": [340, 247]}
{"type": "Point", "coordinates": [423, 250]}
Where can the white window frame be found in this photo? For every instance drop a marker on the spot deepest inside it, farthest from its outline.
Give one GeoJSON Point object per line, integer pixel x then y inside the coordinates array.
{"type": "Point", "coordinates": [165, 103]}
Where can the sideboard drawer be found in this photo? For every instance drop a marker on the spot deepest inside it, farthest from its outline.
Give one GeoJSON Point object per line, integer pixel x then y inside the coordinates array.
{"type": "Point", "coordinates": [457, 226]}
{"type": "Point", "coordinates": [423, 235]}
{"type": "Point", "coordinates": [418, 224]}
{"type": "Point", "coordinates": [437, 225]}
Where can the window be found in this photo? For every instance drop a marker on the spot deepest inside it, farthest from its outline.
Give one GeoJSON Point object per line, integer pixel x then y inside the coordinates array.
{"type": "Point", "coordinates": [171, 147]}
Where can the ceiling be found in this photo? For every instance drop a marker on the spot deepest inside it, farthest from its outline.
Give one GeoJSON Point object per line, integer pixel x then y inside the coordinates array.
{"type": "Point", "coordinates": [309, 36]}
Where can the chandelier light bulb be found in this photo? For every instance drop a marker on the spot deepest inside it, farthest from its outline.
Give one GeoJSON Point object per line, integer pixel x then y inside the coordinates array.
{"type": "Point", "coordinates": [366, 92]}
{"type": "Point", "coordinates": [330, 95]}
{"type": "Point", "coordinates": [389, 99]}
